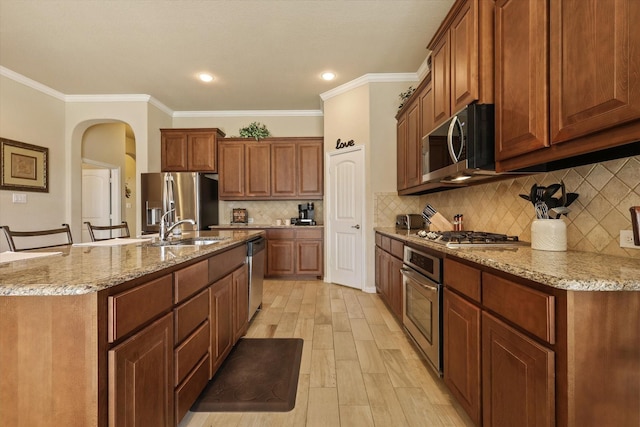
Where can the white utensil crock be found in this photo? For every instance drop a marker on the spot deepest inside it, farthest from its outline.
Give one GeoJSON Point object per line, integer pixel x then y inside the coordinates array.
{"type": "Point", "coordinates": [549, 235]}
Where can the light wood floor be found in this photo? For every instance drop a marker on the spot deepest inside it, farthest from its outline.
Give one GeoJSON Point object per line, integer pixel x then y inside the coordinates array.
{"type": "Point", "coordinates": [358, 367]}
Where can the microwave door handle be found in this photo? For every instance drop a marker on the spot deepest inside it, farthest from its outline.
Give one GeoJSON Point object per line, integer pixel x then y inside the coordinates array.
{"type": "Point", "coordinates": [455, 122]}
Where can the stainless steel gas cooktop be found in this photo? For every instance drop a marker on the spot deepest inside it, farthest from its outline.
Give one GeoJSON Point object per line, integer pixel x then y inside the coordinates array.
{"type": "Point", "coordinates": [462, 239]}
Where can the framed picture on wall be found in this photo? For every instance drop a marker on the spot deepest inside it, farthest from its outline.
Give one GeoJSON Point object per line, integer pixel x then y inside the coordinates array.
{"type": "Point", "coordinates": [23, 167]}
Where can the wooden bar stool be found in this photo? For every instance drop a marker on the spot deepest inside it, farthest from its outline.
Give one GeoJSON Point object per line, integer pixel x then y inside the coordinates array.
{"type": "Point", "coordinates": [121, 229]}
{"type": "Point", "coordinates": [41, 242]}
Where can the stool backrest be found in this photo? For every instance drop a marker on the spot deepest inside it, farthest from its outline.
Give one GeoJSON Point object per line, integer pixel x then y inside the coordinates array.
{"type": "Point", "coordinates": [37, 239]}
{"type": "Point", "coordinates": [106, 232]}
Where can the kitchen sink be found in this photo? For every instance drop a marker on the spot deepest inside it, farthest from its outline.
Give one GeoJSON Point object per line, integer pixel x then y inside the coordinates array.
{"type": "Point", "coordinates": [191, 241]}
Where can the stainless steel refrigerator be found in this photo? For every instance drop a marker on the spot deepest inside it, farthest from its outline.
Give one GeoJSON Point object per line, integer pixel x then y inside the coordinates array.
{"type": "Point", "coordinates": [192, 195]}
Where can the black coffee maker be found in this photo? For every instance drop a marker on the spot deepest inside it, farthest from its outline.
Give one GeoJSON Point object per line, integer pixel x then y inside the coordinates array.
{"type": "Point", "coordinates": [306, 214]}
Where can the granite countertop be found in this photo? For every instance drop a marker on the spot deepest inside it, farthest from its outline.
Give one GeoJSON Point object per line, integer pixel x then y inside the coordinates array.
{"type": "Point", "coordinates": [85, 269]}
{"type": "Point", "coordinates": [570, 270]}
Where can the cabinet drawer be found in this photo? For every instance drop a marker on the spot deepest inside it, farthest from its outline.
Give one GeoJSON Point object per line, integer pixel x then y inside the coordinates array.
{"type": "Point", "coordinates": [132, 308]}
{"type": "Point", "coordinates": [310, 233]}
{"type": "Point", "coordinates": [385, 243]}
{"type": "Point", "coordinates": [281, 234]}
{"type": "Point", "coordinates": [397, 248]}
{"type": "Point", "coordinates": [191, 314]}
{"type": "Point", "coordinates": [462, 278]}
{"type": "Point", "coordinates": [191, 388]}
{"type": "Point", "coordinates": [190, 280]}
{"type": "Point", "coordinates": [226, 262]}
{"type": "Point", "coordinates": [378, 239]}
{"type": "Point", "coordinates": [190, 351]}
{"type": "Point", "coordinates": [528, 308]}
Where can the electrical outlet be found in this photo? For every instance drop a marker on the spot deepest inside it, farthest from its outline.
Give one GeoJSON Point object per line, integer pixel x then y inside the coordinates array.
{"type": "Point", "coordinates": [251, 222]}
{"type": "Point", "coordinates": [626, 239]}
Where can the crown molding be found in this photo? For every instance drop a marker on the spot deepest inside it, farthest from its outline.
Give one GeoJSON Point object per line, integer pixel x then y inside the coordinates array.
{"type": "Point", "coordinates": [19, 78]}
{"type": "Point", "coordinates": [424, 68]}
{"type": "Point", "coordinates": [250, 113]}
{"type": "Point", "coordinates": [369, 78]}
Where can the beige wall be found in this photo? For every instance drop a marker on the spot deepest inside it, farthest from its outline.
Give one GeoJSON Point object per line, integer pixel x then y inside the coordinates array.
{"type": "Point", "coordinates": [294, 125]}
{"type": "Point", "coordinates": [30, 116]}
{"type": "Point", "coordinates": [366, 114]}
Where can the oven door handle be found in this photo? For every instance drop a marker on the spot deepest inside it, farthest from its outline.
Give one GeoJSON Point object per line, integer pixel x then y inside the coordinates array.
{"type": "Point", "coordinates": [419, 279]}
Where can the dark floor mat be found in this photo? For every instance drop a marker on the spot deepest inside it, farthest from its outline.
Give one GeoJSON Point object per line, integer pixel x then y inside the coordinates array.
{"type": "Point", "coordinates": [259, 375]}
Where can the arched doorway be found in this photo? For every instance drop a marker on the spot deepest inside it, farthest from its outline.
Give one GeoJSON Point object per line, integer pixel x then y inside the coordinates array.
{"type": "Point", "coordinates": [108, 193]}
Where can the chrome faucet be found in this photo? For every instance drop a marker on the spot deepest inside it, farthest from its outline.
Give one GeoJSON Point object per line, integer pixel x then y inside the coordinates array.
{"type": "Point", "coordinates": [165, 228]}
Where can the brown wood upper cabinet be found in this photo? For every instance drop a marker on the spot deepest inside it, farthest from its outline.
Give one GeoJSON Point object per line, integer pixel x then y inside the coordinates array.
{"type": "Point", "coordinates": [566, 78]}
{"type": "Point", "coordinates": [271, 169]}
{"type": "Point", "coordinates": [189, 150]}
{"type": "Point", "coordinates": [462, 59]}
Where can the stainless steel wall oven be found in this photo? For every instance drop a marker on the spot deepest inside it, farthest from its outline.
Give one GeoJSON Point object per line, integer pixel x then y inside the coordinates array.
{"type": "Point", "coordinates": [421, 308]}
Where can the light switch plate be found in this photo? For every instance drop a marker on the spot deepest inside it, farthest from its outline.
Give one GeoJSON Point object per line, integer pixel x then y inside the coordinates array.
{"type": "Point", "coordinates": [19, 198]}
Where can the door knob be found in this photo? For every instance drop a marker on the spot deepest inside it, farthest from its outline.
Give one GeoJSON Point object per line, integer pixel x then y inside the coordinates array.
{"type": "Point", "coordinates": [357, 226]}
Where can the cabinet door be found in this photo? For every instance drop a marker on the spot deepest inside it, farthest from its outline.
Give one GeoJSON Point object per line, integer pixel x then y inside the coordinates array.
{"type": "Point", "coordinates": [464, 57]}
{"type": "Point", "coordinates": [378, 268]}
{"type": "Point", "coordinates": [440, 80]}
{"type": "Point", "coordinates": [594, 63]}
{"type": "Point", "coordinates": [283, 169]}
{"type": "Point", "coordinates": [461, 351]}
{"type": "Point", "coordinates": [257, 169]}
{"type": "Point", "coordinates": [202, 152]}
{"type": "Point", "coordinates": [385, 265]}
{"type": "Point", "coordinates": [221, 293]}
{"type": "Point", "coordinates": [174, 157]}
{"type": "Point", "coordinates": [280, 257]}
{"type": "Point", "coordinates": [240, 302]}
{"type": "Point", "coordinates": [518, 378]}
{"type": "Point", "coordinates": [141, 377]}
{"type": "Point", "coordinates": [522, 82]}
{"type": "Point", "coordinates": [310, 174]}
{"type": "Point", "coordinates": [413, 169]}
{"type": "Point", "coordinates": [309, 257]}
{"type": "Point", "coordinates": [231, 176]}
{"type": "Point", "coordinates": [426, 113]}
{"type": "Point", "coordinates": [395, 286]}
{"type": "Point", "coordinates": [401, 157]}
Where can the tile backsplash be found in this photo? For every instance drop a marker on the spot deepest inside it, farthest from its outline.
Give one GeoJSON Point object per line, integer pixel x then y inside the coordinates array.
{"type": "Point", "coordinates": [267, 211]}
{"type": "Point", "coordinates": [606, 190]}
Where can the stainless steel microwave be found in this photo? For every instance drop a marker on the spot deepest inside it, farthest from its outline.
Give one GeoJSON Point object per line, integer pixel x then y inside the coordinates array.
{"type": "Point", "coordinates": [462, 148]}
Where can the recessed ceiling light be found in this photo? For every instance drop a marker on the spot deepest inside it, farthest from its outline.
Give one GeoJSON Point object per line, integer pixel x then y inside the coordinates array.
{"type": "Point", "coordinates": [328, 76]}
{"type": "Point", "coordinates": [205, 77]}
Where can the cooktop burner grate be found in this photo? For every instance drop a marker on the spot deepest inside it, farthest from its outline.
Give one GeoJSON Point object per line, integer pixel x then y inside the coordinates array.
{"type": "Point", "coordinates": [454, 239]}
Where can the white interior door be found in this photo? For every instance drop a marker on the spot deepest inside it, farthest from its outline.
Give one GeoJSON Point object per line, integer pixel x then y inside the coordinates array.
{"type": "Point", "coordinates": [345, 226]}
{"type": "Point", "coordinates": [96, 199]}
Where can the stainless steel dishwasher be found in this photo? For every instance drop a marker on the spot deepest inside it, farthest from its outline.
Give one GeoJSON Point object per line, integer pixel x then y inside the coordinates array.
{"type": "Point", "coordinates": [255, 254]}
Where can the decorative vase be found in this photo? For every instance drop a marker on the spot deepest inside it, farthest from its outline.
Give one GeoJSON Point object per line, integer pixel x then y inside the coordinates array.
{"type": "Point", "coordinates": [549, 235]}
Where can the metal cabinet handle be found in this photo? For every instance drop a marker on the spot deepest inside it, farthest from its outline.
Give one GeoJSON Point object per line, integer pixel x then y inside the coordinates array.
{"type": "Point", "coordinates": [357, 226]}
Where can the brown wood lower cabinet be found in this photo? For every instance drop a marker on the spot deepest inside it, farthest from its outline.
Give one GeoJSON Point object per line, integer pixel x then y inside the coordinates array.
{"type": "Point", "coordinates": [389, 253]}
{"type": "Point", "coordinates": [141, 377]}
{"type": "Point", "coordinates": [517, 372]}
{"type": "Point", "coordinates": [518, 378]}
{"type": "Point", "coordinates": [295, 252]}
{"type": "Point", "coordinates": [221, 316]}
{"type": "Point", "coordinates": [461, 347]}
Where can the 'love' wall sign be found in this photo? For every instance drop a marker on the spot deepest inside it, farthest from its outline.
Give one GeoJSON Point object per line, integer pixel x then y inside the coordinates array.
{"type": "Point", "coordinates": [342, 144]}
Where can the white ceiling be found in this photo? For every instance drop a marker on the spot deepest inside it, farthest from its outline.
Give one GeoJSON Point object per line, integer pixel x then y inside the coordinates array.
{"type": "Point", "coordinates": [264, 54]}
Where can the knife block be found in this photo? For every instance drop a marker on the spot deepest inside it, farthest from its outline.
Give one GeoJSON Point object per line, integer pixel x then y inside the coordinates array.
{"type": "Point", "coordinates": [439, 223]}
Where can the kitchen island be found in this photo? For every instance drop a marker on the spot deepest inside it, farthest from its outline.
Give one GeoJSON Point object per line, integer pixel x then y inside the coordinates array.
{"type": "Point", "coordinates": [538, 338]}
{"type": "Point", "coordinates": [118, 335]}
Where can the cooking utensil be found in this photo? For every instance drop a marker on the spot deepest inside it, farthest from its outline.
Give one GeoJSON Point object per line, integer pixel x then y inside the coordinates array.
{"type": "Point", "coordinates": [542, 211]}
{"type": "Point", "coordinates": [558, 211]}
{"type": "Point", "coordinates": [571, 197]}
